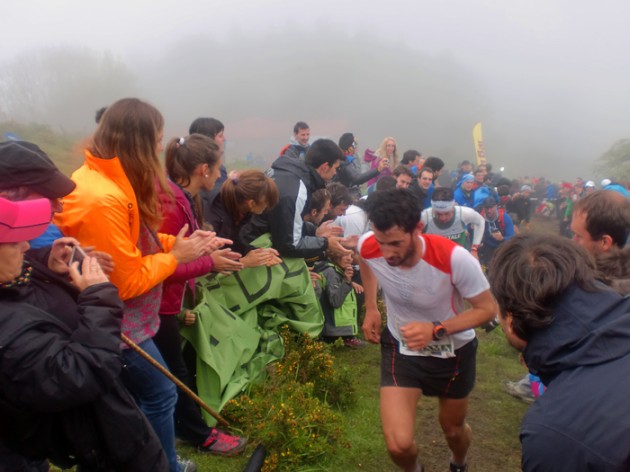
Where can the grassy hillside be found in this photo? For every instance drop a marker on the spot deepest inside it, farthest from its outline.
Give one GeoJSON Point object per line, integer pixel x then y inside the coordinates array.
{"type": "Point", "coordinates": [64, 149]}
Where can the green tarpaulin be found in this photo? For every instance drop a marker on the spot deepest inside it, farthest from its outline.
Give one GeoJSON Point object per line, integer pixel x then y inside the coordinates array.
{"type": "Point", "coordinates": [238, 316]}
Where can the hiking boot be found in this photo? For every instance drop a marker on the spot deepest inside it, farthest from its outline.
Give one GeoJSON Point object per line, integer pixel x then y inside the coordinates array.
{"type": "Point", "coordinates": [458, 468]}
{"type": "Point", "coordinates": [186, 465]}
{"type": "Point", "coordinates": [223, 444]}
{"type": "Point", "coordinates": [521, 389]}
{"type": "Point", "coordinates": [353, 343]}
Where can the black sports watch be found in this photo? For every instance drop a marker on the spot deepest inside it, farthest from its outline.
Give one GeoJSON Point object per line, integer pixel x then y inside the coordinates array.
{"type": "Point", "coordinates": [439, 331]}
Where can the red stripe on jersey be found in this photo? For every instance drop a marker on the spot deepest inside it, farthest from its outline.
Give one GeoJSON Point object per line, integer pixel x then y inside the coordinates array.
{"type": "Point", "coordinates": [370, 249]}
{"type": "Point", "coordinates": [438, 251]}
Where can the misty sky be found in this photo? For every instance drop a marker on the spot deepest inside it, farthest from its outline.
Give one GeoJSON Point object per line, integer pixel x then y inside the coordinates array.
{"type": "Point", "coordinates": [555, 71]}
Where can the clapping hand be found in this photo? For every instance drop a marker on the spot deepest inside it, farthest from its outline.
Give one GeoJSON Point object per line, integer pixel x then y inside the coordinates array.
{"type": "Point", "coordinates": [328, 229]}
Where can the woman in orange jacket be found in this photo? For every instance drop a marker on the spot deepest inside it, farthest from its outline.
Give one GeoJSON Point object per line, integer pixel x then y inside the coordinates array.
{"type": "Point", "coordinates": [115, 208]}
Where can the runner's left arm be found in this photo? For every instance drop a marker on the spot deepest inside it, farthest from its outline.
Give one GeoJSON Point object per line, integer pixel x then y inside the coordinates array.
{"type": "Point", "coordinates": [478, 223]}
{"type": "Point", "coordinates": [473, 286]}
{"type": "Point", "coordinates": [483, 309]}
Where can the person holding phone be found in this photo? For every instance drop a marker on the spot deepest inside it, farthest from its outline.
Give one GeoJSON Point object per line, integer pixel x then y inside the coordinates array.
{"type": "Point", "coordinates": [61, 395]}
{"type": "Point", "coordinates": [385, 158]}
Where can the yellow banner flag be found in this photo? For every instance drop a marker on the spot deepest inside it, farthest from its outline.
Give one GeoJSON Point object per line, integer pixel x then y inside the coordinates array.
{"type": "Point", "coordinates": [480, 150]}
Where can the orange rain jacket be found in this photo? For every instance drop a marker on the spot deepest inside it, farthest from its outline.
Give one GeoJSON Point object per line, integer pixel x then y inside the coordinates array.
{"type": "Point", "coordinates": [102, 212]}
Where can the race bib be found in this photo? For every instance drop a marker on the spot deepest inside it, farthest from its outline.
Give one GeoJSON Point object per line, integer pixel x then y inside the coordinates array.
{"type": "Point", "coordinates": [443, 349]}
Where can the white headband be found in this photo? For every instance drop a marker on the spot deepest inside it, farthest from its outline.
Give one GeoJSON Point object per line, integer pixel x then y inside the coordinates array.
{"type": "Point", "coordinates": [443, 207]}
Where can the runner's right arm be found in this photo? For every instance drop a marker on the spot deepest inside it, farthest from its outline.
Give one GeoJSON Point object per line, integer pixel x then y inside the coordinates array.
{"type": "Point", "coordinates": [372, 322]}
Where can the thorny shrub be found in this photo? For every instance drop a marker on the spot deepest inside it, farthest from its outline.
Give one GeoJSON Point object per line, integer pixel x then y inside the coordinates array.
{"type": "Point", "coordinates": [293, 412]}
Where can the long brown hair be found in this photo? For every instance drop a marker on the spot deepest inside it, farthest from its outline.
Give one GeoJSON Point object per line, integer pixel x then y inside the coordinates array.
{"type": "Point", "coordinates": [184, 155]}
{"type": "Point", "coordinates": [249, 185]}
{"type": "Point", "coordinates": [129, 130]}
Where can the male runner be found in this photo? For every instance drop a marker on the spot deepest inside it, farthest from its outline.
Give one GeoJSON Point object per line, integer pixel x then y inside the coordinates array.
{"type": "Point", "coordinates": [429, 344]}
{"type": "Point", "coordinates": [452, 221]}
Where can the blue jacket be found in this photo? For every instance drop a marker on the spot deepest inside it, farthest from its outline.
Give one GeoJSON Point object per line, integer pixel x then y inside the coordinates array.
{"type": "Point", "coordinates": [618, 188]}
{"type": "Point", "coordinates": [583, 357]}
{"type": "Point", "coordinates": [481, 193]}
{"type": "Point", "coordinates": [464, 200]}
{"type": "Point", "coordinates": [503, 223]}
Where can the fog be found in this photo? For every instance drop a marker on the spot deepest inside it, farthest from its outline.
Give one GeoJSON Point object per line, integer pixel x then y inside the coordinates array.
{"type": "Point", "coordinates": [548, 79]}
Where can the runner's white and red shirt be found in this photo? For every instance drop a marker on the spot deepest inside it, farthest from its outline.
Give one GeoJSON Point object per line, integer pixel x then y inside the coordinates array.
{"type": "Point", "coordinates": [433, 290]}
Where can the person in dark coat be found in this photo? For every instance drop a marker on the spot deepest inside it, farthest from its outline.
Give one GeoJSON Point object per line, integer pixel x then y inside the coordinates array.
{"type": "Point", "coordinates": [520, 207]}
{"type": "Point", "coordinates": [247, 194]}
{"type": "Point", "coordinates": [296, 180]}
{"type": "Point", "coordinates": [350, 173]}
{"type": "Point", "coordinates": [61, 396]}
{"type": "Point", "coordinates": [298, 143]}
{"type": "Point", "coordinates": [574, 333]}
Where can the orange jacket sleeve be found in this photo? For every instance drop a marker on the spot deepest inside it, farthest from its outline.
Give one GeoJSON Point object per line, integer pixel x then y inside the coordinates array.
{"type": "Point", "coordinates": [106, 226]}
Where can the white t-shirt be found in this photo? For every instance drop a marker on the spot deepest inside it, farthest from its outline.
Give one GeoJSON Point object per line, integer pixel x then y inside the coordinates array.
{"type": "Point", "coordinates": [354, 222]}
{"type": "Point", "coordinates": [462, 218]}
{"type": "Point", "coordinates": [433, 290]}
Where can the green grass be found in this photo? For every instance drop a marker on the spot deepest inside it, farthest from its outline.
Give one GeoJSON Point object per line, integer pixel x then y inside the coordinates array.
{"type": "Point", "coordinates": [493, 415]}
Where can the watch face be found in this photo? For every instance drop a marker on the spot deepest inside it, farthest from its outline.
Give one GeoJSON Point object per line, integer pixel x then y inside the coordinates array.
{"type": "Point", "coordinates": [439, 331]}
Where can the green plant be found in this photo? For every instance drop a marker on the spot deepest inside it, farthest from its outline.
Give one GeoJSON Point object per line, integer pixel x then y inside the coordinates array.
{"type": "Point", "coordinates": [296, 427]}
{"type": "Point", "coordinates": [310, 361]}
{"type": "Point", "coordinates": [291, 413]}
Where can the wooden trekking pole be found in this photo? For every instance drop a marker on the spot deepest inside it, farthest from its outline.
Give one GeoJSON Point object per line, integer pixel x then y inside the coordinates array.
{"type": "Point", "coordinates": [174, 379]}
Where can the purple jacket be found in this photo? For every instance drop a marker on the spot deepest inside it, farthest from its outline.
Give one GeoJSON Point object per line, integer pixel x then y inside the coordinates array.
{"type": "Point", "coordinates": [176, 214]}
{"type": "Point", "coordinates": [371, 157]}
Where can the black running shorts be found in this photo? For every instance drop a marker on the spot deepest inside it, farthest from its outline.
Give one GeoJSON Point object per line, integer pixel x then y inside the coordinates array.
{"type": "Point", "coordinates": [448, 378]}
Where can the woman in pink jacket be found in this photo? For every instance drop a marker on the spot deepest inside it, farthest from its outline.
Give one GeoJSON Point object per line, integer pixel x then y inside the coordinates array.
{"type": "Point", "coordinates": [384, 159]}
{"type": "Point", "coordinates": [193, 165]}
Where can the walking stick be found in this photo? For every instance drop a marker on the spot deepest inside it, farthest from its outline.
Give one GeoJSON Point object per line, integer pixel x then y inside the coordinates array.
{"type": "Point", "coordinates": [175, 380]}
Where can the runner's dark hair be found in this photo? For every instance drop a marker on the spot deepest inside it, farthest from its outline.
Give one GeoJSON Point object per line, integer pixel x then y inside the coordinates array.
{"type": "Point", "coordinates": [397, 207]}
{"type": "Point", "coordinates": [442, 194]}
